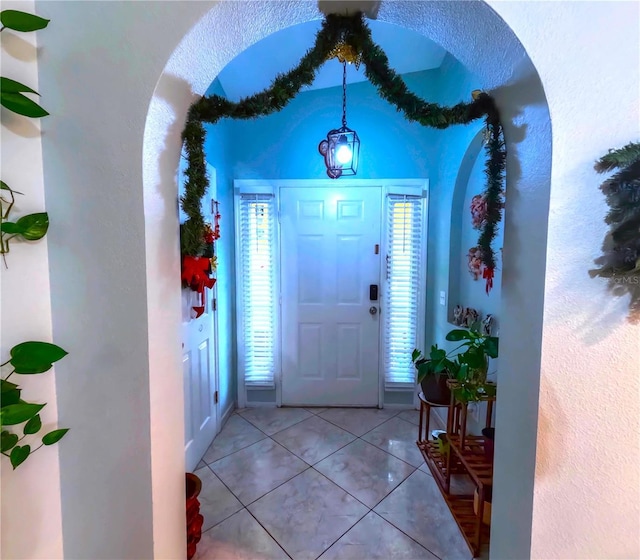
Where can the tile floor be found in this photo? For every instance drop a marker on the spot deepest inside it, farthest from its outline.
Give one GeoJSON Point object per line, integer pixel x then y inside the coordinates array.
{"type": "Point", "coordinates": [322, 483]}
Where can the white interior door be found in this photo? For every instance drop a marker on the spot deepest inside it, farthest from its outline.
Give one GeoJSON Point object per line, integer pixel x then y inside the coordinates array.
{"type": "Point", "coordinates": [330, 239]}
{"type": "Point", "coordinates": [199, 362]}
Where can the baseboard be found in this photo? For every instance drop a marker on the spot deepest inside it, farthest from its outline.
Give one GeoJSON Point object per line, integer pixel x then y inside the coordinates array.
{"type": "Point", "coordinates": [226, 415]}
{"type": "Point", "coordinates": [400, 407]}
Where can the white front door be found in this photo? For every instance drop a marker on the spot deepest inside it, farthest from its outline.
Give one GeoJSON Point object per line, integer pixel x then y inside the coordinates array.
{"type": "Point", "coordinates": [330, 240]}
{"type": "Point", "coordinates": [199, 360]}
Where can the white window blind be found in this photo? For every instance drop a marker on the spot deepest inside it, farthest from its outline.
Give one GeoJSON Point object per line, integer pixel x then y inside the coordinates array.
{"type": "Point", "coordinates": [404, 261]}
{"type": "Point", "coordinates": [257, 254]}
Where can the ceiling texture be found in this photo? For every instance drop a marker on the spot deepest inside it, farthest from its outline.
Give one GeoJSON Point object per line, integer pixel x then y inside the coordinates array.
{"type": "Point", "coordinates": [254, 69]}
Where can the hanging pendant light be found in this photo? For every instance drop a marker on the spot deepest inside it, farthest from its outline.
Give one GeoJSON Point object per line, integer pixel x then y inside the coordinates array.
{"type": "Point", "coordinates": [341, 149]}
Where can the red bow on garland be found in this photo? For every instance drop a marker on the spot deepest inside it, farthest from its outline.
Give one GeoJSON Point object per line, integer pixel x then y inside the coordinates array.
{"type": "Point", "coordinates": [195, 273]}
{"type": "Point", "coordinates": [488, 275]}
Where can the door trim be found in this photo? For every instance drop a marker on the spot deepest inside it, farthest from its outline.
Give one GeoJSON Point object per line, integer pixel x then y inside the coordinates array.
{"type": "Point", "coordinates": [273, 186]}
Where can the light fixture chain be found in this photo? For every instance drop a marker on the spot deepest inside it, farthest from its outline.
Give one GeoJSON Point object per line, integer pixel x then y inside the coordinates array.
{"type": "Point", "coordinates": [344, 94]}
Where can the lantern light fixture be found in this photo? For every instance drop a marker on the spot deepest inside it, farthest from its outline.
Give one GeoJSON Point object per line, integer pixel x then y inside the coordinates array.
{"type": "Point", "coordinates": [341, 148]}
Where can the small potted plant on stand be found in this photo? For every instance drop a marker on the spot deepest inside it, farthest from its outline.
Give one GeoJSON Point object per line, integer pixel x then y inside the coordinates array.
{"type": "Point", "coordinates": [433, 374]}
{"type": "Point", "coordinates": [462, 371]}
{"type": "Point", "coordinates": [470, 368]}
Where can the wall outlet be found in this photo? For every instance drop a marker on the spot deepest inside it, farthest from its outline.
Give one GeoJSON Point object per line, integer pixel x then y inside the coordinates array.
{"type": "Point", "coordinates": [443, 298]}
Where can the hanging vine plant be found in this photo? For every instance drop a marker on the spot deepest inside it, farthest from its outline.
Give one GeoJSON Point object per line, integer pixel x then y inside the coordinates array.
{"type": "Point", "coordinates": [350, 33]}
{"type": "Point", "coordinates": [620, 262]}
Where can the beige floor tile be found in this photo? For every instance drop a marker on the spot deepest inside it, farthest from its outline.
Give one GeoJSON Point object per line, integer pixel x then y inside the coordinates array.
{"type": "Point", "coordinates": [255, 470]}
{"type": "Point", "coordinates": [398, 437]}
{"type": "Point", "coordinates": [313, 439]}
{"type": "Point", "coordinates": [417, 508]}
{"type": "Point", "coordinates": [240, 537]}
{"type": "Point", "coordinates": [375, 539]}
{"type": "Point", "coordinates": [236, 434]}
{"type": "Point", "coordinates": [307, 514]}
{"type": "Point", "coordinates": [216, 501]}
{"type": "Point", "coordinates": [358, 421]}
{"type": "Point", "coordinates": [365, 471]}
{"type": "Point", "coordinates": [271, 420]}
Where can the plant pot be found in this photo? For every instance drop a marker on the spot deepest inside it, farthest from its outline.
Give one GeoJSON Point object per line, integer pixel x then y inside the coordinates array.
{"type": "Point", "coordinates": [486, 512]}
{"type": "Point", "coordinates": [435, 389]}
{"type": "Point", "coordinates": [488, 434]}
{"type": "Point", "coordinates": [194, 518]}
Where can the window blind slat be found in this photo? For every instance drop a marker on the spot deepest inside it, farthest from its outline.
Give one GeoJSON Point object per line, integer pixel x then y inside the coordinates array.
{"type": "Point", "coordinates": [257, 249]}
{"type": "Point", "coordinates": [404, 245]}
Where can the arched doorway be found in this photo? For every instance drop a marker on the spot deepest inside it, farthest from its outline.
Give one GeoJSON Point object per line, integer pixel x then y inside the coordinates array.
{"type": "Point", "coordinates": [481, 41]}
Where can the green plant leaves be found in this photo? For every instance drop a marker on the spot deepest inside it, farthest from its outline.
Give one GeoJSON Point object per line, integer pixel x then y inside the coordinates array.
{"type": "Point", "coordinates": [12, 97]}
{"type": "Point", "coordinates": [33, 426]}
{"type": "Point", "coordinates": [9, 393]}
{"type": "Point", "coordinates": [19, 454]}
{"type": "Point", "coordinates": [22, 21]}
{"type": "Point", "coordinates": [474, 357]}
{"type": "Point", "coordinates": [458, 334]}
{"type": "Point", "coordinates": [22, 105]}
{"type": "Point", "coordinates": [7, 85]}
{"type": "Point", "coordinates": [18, 413]}
{"type": "Point", "coordinates": [32, 226]}
{"type": "Point", "coordinates": [54, 437]}
{"type": "Point", "coordinates": [35, 357]}
{"type": "Point", "coordinates": [490, 345]}
{"type": "Point", "coordinates": [7, 441]}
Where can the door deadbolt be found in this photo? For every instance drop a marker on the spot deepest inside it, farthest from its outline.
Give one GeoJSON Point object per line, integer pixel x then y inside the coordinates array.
{"type": "Point", "coordinates": [373, 310]}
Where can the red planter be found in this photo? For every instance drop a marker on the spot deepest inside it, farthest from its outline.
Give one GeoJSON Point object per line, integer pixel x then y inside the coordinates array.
{"type": "Point", "coordinates": [194, 518]}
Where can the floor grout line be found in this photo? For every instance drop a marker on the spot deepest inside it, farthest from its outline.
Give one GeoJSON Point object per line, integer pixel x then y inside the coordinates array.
{"type": "Point", "coordinates": [312, 466]}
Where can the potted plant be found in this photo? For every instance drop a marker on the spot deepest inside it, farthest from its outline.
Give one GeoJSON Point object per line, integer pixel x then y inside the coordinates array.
{"type": "Point", "coordinates": [471, 364]}
{"type": "Point", "coordinates": [433, 374]}
{"type": "Point", "coordinates": [467, 365]}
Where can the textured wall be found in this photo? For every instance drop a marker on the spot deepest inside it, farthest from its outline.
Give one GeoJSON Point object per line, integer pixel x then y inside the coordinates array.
{"type": "Point", "coordinates": [114, 264]}
{"type": "Point", "coordinates": [587, 478]}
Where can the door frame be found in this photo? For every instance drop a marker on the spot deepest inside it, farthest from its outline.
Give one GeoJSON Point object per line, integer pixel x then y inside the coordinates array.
{"type": "Point", "coordinates": [211, 295]}
{"type": "Point", "coordinates": [273, 186]}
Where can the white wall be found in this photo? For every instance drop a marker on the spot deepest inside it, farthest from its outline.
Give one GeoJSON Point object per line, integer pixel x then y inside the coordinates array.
{"type": "Point", "coordinates": [115, 263]}
{"type": "Point", "coordinates": [31, 516]}
{"type": "Point", "coordinates": [587, 478]}
{"type": "Point", "coordinates": [122, 470]}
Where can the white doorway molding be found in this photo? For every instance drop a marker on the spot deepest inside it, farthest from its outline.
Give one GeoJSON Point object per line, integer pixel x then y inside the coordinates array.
{"type": "Point", "coordinates": [478, 38]}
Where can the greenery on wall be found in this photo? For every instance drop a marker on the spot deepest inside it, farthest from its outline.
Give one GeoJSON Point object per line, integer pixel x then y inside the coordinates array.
{"type": "Point", "coordinates": [352, 31]}
{"type": "Point", "coordinates": [620, 262]}
{"type": "Point", "coordinates": [32, 357]}
{"type": "Point", "coordinates": [12, 96]}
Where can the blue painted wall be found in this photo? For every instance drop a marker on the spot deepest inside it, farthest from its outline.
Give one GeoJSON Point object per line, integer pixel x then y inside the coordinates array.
{"type": "Point", "coordinates": [284, 145]}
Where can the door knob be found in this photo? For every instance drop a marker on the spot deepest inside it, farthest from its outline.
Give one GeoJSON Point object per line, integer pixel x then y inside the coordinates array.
{"type": "Point", "coordinates": [373, 310]}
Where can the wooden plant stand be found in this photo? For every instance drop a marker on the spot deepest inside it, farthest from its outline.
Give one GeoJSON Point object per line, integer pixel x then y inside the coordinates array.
{"type": "Point", "coordinates": [466, 457]}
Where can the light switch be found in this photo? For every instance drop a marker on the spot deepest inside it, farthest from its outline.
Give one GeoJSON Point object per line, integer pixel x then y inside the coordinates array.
{"type": "Point", "coordinates": [443, 298]}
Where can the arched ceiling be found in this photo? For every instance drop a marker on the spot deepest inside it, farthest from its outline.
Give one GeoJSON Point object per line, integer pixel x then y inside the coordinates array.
{"type": "Point", "coordinates": [254, 69]}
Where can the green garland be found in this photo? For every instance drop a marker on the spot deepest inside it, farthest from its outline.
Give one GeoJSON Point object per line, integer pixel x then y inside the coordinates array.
{"type": "Point", "coordinates": [353, 31]}
{"type": "Point", "coordinates": [620, 262]}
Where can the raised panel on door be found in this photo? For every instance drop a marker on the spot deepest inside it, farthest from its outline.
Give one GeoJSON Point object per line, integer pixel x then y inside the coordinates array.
{"type": "Point", "coordinates": [330, 341]}
{"type": "Point", "coordinates": [199, 362]}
